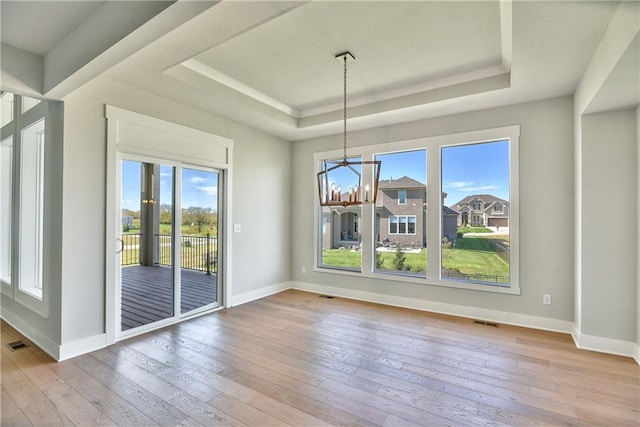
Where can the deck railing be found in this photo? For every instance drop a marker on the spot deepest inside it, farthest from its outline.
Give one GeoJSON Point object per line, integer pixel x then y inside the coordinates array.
{"type": "Point", "coordinates": [197, 252]}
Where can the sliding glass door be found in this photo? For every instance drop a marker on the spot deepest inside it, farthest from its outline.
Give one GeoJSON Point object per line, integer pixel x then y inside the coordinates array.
{"type": "Point", "coordinates": [169, 251]}
{"type": "Point", "coordinates": [199, 239]}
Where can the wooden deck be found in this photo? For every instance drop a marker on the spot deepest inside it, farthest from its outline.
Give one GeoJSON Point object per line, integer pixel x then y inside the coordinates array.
{"type": "Point", "coordinates": [147, 293]}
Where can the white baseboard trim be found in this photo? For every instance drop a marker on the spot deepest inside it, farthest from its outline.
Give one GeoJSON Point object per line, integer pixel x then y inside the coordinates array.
{"type": "Point", "coordinates": [506, 318]}
{"type": "Point", "coordinates": [31, 333]}
{"type": "Point", "coordinates": [82, 346]}
{"type": "Point", "coordinates": [636, 354]}
{"type": "Point", "coordinates": [259, 293]}
{"type": "Point", "coordinates": [605, 345]}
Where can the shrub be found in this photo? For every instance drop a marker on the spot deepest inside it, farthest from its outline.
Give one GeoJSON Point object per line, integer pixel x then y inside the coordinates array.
{"type": "Point", "coordinates": [399, 258]}
{"type": "Point", "coordinates": [379, 261]}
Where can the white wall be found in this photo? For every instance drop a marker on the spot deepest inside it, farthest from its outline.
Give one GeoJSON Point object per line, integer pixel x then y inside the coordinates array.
{"type": "Point", "coordinates": [546, 206]}
{"type": "Point", "coordinates": [607, 317]}
{"type": "Point", "coordinates": [609, 225]}
{"type": "Point", "coordinates": [637, 349]}
{"type": "Point", "coordinates": [261, 189]}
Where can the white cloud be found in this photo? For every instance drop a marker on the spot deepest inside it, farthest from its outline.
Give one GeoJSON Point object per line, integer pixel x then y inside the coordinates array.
{"type": "Point", "coordinates": [468, 187]}
{"type": "Point", "coordinates": [479, 188]}
{"type": "Point", "coordinates": [457, 184]}
{"type": "Point", "coordinates": [209, 190]}
{"type": "Point", "coordinates": [198, 179]}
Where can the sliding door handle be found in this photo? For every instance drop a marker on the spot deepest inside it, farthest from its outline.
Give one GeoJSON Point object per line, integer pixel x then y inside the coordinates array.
{"type": "Point", "coordinates": [121, 245]}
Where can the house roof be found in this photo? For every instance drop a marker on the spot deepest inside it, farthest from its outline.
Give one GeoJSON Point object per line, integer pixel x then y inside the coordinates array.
{"type": "Point", "coordinates": [488, 200]}
{"type": "Point", "coordinates": [400, 183]}
{"type": "Point", "coordinates": [448, 211]}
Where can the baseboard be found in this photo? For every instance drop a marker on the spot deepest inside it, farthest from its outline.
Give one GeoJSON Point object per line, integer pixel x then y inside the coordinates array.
{"type": "Point", "coordinates": [82, 346]}
{"type": "Point", "coordinates": [605, 345]}
{"type": "Point", "coordinates": [636, 353]}
{"type": "Point", "coordinates": [506, 318]}
{"type": "Point", "coordinates": [259, 293]}
{"type": "Point", "coordinates": [30, 332]}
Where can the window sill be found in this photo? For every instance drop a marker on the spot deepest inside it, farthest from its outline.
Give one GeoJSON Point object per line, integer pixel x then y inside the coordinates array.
{"type": "Point", "coordinates": [404, 278]}
{"type": "Point", "coordinates": [33, 291]}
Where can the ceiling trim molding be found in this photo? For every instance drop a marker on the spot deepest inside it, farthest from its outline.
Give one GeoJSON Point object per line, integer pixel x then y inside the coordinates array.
{"type": "Point", "coordinates": [374, 102]}
{"type": "Point", "coordinates": [217, 76]}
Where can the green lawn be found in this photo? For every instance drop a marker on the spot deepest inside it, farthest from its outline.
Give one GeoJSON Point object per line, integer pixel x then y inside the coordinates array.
{"type": "Point", "coordinates": [465, 230]}
{"type": "Point", "coordinates": [471, 256]}
{"type": "Point", "coordinates": [185, 230]}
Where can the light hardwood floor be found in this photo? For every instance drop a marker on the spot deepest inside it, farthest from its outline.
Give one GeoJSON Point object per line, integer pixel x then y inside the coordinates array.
{"type": "Point", "coordinates": [298, 359]}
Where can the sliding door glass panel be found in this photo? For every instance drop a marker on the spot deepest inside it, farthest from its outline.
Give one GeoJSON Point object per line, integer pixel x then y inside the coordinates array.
{"type": "Point", "coordinates": [199, 239]}
{"type": "Point", "coordinates": [401, 214]}
{"type": "Point", "coordinates": [475, 216]}
{"type": "Point", "coordinates": [147, 275]}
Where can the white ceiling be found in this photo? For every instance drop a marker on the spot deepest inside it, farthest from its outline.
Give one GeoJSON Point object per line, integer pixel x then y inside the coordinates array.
{"type": "Point", "coordinates": [37, 26]}
{"type": "Point", "coordinates": [271, 65]}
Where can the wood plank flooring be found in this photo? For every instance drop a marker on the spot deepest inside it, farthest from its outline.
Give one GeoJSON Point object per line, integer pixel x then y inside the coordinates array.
{"type": "Point", "coordinates": [147, 293]}
{"type": "Point", "coordinates": [299, 359]}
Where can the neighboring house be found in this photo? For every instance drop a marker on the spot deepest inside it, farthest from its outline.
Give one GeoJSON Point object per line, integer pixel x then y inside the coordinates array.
{"type": "Point", "coordinates": [482, 210]}
{"type": "Point", "coordinates": [401, 212]}
{"type": "Point", "coordinates": [340, 227]}
{"type": "Point", "coordinates": [401, 218]}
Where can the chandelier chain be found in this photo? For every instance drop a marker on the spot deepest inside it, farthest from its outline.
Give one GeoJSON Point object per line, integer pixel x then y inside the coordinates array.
{"type": "Point", "coordinates": [344, 114]}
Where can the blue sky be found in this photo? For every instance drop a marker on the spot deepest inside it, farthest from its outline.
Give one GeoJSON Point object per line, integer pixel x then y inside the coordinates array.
{"type": "Point", "coordinates": [200, 188]}
{"type": "Point", "coordinates": [466, 169]}
{"type": "Point", "coordinates": [475, 169]}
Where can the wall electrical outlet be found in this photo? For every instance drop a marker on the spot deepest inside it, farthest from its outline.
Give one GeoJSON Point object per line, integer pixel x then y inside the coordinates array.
{"type": "Point", "coordinates": [303, 270]}
{"type": "Point", "coordinates": [546, 299]}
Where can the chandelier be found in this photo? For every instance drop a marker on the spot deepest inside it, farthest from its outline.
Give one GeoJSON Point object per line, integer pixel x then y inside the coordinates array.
{"type": "Point", "coordinates": [336, 173]}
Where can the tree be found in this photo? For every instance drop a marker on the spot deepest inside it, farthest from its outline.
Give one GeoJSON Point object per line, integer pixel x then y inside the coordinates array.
{"type": "Point", "coordinates": [197, 216]}
{"type": "Point", "coordinates": [166, 214]}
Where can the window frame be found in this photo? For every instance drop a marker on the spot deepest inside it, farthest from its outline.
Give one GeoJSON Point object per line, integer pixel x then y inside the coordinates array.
{"type": "Point", "coordinates": [25, 293]}
{"type": "Point", "coordinates": [402, 200]}
{"type": "Point", "coordinates": [433, 145]}
{"type": "Point", "coordinates": [406, 223]}
{"type": "Point", "coordinates": [7, 210]}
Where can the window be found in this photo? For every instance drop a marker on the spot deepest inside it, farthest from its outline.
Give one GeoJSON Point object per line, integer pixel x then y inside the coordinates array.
{"type": "Point", "coordinates": [6, 108]}
{"type": "Point", "coordinates": [6, 195]}
{"type": "Point", "coordinates": [28, 103]}
{"type": "Point", "coordinates": [402, 224]}
{"type": "Point", "coordinates": [340, 237]}
{"type": "Point", "coordinates": [31, 208]}
{"type": "Point", "coordinates": [442, 237]}
{"type": "Point", "coordinates": [23, 163]}
{"type": "Point", "coordinates": [482, 256]}
{"type": "Point", "coordinates": [402, 197]}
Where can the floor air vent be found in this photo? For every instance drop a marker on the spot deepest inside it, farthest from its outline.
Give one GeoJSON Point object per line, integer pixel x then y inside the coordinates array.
{"type": "Point", "coordinates": [482, 322]}
{"type": "Point", "coordinates": [17, 345]}
{"type": "Point", "coordinates": [325, 296]}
